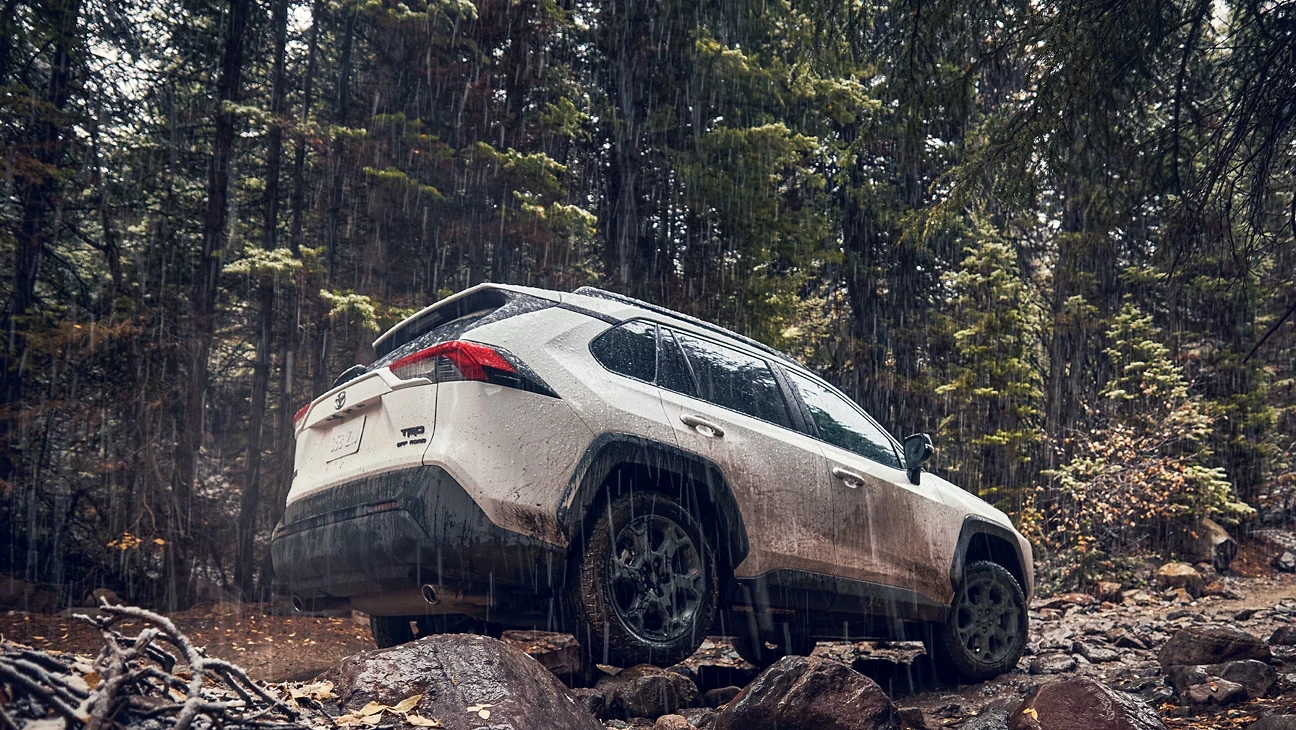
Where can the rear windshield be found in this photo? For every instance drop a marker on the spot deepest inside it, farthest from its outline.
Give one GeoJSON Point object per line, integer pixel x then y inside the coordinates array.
{"type": "Point", "coordinates": [454, 320]}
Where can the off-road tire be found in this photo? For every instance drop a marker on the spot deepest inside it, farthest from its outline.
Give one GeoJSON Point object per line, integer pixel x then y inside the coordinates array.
{"type": "Point", "coordinates": [760, 654]}
{"type": "Point", "coordinates": [596, 594]}
{"type": "Point", "coordinates": [987, 627]}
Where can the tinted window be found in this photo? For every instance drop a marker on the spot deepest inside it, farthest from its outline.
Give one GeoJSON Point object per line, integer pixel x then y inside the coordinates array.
{"type": "Point", "coordinates": [842, 424]}
{"type": "Point", "coordinates": [629, 349]}
{"type": "Point", "coordinates": [674, 372]}
{"type": "Point", "coordinates": [733, 379]}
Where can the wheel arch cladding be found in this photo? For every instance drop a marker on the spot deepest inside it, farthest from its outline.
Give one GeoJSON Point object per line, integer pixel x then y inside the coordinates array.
{"type": "Point", "coordinates": [981, 539]}
{"type": "Point", "coordinates": [614, 459]}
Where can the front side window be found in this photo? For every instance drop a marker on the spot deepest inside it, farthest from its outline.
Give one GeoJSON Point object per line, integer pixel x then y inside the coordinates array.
{"type": "Point", "coordinates": [732, 379]}
{"type": "Point", "coordinates": [628, 349]}
{"type": "Point", "coordinates": [843, 425]}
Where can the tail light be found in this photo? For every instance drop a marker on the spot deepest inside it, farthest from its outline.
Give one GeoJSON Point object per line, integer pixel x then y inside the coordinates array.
{"type": "Point", "coordinates": [300, 414]}
{"type": "Point", "coordinates": [461, 360]}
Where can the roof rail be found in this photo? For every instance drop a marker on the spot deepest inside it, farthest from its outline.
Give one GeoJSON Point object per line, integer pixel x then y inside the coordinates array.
{"type": "Point", "coordinates": [591, 291]}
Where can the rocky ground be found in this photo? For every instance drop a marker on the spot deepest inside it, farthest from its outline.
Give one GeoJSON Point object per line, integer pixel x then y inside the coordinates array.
{"type": "Point", "coordinates": [1188, 651]}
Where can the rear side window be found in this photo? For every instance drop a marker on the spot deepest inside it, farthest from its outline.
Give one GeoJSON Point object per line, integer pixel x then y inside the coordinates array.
{"type": "Point", "coordinates": [628, 349]}
{"type": "Point", "coordinates": [734, 380]}
{"type": "Point", "coordinates": [842, 424]}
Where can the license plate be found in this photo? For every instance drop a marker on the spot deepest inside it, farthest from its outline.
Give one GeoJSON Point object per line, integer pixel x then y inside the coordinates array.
{"type": "Point", "coordinates": [344, 439]}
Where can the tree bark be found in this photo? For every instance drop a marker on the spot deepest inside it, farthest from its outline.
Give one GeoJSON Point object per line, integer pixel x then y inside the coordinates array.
{"type": "Point", "coordinates": [215, 222]}
{"type": "Point", "coordinates": [48, 141]}
{"type": "Point", "coordinates": [249, 506]}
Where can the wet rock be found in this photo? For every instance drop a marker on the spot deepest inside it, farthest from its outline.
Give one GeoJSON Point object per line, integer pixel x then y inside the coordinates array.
{"type": "Point", "coordinates": [672, 722]}
{"type": "Point", "coordinates": [1220, 588]}
{"type": "Point", "coordinates": [1177, 595]}
{"type": "Point", "coordinates": [1245, 614]}
{"type": "Point", "coordinates": [1053, 664]}
{"type": "Point", "coordinates": [1126, 640]}
{"type": "Point", "coordinates": [454, 671]}
{"type": "Point", "coordinates": [1211, 645]}
{"type": "Point", "coordinates": [1283, 636]}
{"type": "Point", "coordinates": [1274, 722]}
{"type": "Point", "coordinates": [1093, 653]}
{"type": "Point", "coordinates": [1083, 704]}
{"type": "Point", "coordinates": [720, 696]}
{"type": "Point", "coordinates": [1256, 677]}
{"type": "Point", "coordinates": [1108, 591]}
{"type": "Point", "coordinates": [592, 700]}
{"type": "Point", "coordinates": [1180, 575]}
{"type": "Point", "coordinates": [1286, 562]}
{"type": "Point", "coordinates": [646, 691]}
{"type": "Point", "coordinates": [1215, 691]}
{"type": "Point", "coordinates": [1209, 542]}
{"type": "Point", "coordinates": [699, 717]}
{"type": "Point", "coordinates": [559, 653]}
{"type": "Point", "coordinates": [1208, 572]}
{"type": "Point", "coordinates": [809, 693]}
{"type": "Point", "coordinates": [989, 720]}
{"type": "Point", "coordinates": [912, 718]}
{"type": "Point", "coordinates": [1135, 597]}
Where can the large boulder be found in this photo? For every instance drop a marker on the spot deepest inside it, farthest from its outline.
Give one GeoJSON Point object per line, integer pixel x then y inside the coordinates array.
{"type": "Point", "coordinates": [1083, 704]}
{"type": "Point", "coordinates": [1209, 542]}
{"type": "Point", "coordinates": [1211, 645]}
{"type": "Point", "coordinates": [1274, 722]}
{"type": "Point", "coordinates": [1180, 575]}
{"type": "Point", "coordinates": [646, 691]}
{"type": "Point", "coordinates": [809, 693]}
{"type": "Point", "coordinates": [452, 674]}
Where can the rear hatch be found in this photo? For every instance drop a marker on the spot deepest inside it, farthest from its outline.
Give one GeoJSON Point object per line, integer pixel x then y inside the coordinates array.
{"type": "Point", "coordinates": [381, 417]}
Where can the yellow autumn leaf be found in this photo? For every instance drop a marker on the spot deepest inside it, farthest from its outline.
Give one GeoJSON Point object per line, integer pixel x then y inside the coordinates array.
{"type": "Point", "coordinates": [1034, 714]}
{"type": "Point", "coordinates": [483, 714]}
{"type": "Point", "coordinates": [92, 679]}
{"type": "Point", "coordinates": [406, 704]}
{"type": "Point", "coordinates": [373, 708]}
{"type": "Point", "coordinates": [420, 721]}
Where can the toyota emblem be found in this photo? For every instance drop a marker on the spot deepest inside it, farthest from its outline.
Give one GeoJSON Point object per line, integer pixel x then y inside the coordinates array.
{"type": "Point", "coordinates": [339, 400]}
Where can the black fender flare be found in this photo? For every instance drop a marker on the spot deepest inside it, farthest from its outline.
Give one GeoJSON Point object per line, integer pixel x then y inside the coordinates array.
{"type": "Point", "coordinates": [611, 450]}
{"type": "Point", "coordinates": [975, 527]}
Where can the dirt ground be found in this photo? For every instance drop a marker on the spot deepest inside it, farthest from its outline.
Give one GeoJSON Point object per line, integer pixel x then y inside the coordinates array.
{"type": "Point", "coordinates": [270, 648]}
{"type": "Point", "coordinates": [278, 648]}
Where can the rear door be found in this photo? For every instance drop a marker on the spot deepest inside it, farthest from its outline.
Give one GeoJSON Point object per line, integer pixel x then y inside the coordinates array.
{"type": "Point", "coordinates": [890, 531]}
{"type": "Point", "coordinates": [729, 406]}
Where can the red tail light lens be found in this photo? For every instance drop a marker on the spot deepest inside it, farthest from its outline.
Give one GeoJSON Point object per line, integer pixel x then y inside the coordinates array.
{"type": "Point", "coordinates": [300, 414]}
{"type": "Point", "coordinates": [460, 360]}
{"type": "Point", "coordinates": [469, 358]}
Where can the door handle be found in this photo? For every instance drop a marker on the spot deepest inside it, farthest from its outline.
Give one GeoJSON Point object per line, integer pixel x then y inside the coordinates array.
{"type": "Point", "coordinates": [702, 426]}
{"type": "Point", "coordinates": [854, 480]}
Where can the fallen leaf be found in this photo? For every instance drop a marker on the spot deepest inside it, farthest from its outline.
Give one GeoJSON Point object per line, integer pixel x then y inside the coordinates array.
{"type": "Point", "coordinates": [92, 679]}
{"type": "Point", "coordinates": [420, 721]}
{"type": "Point", "coordinates": [373, 708]}
{"type": "Point", "coordinates": [484, 714]}
{"type": "Point", "coordinates": [406, 704]}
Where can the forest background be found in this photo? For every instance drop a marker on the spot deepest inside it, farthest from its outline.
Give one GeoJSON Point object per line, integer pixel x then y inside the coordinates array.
{"type": "Point", "coordinates": [1058, 236]}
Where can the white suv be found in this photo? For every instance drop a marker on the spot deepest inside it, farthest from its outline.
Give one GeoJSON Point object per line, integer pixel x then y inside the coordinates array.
{"type": "Point", "coordinates": [591, 463]}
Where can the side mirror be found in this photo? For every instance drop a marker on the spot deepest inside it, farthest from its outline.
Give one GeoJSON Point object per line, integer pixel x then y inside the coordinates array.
{"type": "Point", "coordinates": [918, 450]}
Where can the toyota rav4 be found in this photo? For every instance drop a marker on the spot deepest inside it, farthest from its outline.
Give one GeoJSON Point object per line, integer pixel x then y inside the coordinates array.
{"type": "Point", "coordinates": [587, 462]}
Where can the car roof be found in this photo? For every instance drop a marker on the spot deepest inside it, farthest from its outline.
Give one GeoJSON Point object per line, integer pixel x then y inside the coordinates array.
{"type": "Point", "coordinates": [625, 307]}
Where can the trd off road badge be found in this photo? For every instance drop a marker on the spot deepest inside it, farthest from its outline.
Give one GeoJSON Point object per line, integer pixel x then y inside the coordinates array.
{"type": "Point", "coordinates": [339, 400]}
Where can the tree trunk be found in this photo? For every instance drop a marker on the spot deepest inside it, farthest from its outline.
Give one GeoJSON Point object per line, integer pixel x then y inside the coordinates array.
{"type": "Point", "coordinates": [245, 558]}
{"type": "Point", "coordinates": [47, 140]}
{"type": "Point", "coordinates": [215, 221]}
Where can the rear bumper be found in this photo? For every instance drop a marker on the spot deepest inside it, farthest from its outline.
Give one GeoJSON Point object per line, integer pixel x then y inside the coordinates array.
{"type": "Point", "coordinates": [398, 530]}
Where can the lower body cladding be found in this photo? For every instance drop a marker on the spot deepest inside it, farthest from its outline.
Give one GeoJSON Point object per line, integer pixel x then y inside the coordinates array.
{"type": "Point", "coordinates": [413, 542]}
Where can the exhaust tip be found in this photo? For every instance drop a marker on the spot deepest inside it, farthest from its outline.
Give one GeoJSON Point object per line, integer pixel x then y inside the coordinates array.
{"type": "Point", "coordinates": [429, 593]}
{"type": "Point", "coordinates": [297, 604]}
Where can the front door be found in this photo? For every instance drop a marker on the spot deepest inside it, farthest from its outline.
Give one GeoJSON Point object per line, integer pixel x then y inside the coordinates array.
{"type": "Point", "coordinates": [728, 406]}
{"type": "Point", "coordinates": [891, 532]}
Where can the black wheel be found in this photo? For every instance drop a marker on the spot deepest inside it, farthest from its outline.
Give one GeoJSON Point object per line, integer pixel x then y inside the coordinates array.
{"type": "Point", "coordinates": [761, 653]}
{"type": "Point", "coordinates": [986, 631]}
{"type": "Point", "coordinates": [643, 585]}
{"type": "Point", "coordinates": [391, 630]}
